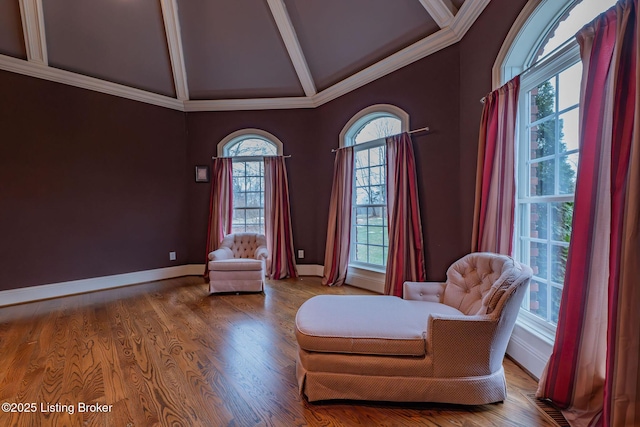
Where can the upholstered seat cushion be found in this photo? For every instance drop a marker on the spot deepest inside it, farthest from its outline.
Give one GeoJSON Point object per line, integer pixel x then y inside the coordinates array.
{"type": "Point", "coordinates": [358, 324]}
{"type": "Point", "coordinates": [236, 264]}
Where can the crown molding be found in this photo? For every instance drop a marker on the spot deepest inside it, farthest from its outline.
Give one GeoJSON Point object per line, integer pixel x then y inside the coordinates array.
{"type": "Point", "coordinates": [442, 11]}
{"type": "Point", "coordinates": [33, 27]}
{"type": "Point", "coordinates": [439, 40]}
{"type": "Point", "coordinates": [290, 39]}
{"type": "Point", "coordinates": [249, 104]}
{"type": "Point", "coordinates": [420, 49]}
{"type": "Point", "coordinates": [41, 71]}
{"type": "Point", "coordinates": [174, 44]}
{"type": "Point", "coordinates": [467, 15]}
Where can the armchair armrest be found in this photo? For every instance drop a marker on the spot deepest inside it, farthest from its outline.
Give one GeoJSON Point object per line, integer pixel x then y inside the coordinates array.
{"type": "Point", "coordinates": [261, 253]}
{"type": "Point", "coordinates": [423, 291]}
{"type": "Point", "coordinates": [463, 346]}
{"type": "Point", "coordinates": [220, 254]}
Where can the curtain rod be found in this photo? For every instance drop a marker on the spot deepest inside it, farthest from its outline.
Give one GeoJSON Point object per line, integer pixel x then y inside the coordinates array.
{"type": "Point", "coordinates": [247, 157]}
{"type": "Point", "coordinates": [424, 129]}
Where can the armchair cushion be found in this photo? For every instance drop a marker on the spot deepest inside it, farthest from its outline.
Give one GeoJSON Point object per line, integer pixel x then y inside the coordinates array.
{"type": "Point", "coordinates": [236, 264]}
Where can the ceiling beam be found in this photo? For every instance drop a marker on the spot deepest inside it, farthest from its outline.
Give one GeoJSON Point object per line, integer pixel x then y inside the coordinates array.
{"type": "Point", "coordinates": [290, 39]}
{"type": "Point", "coordinates": [33, 27]}
{"type": "Point", "coordinates": [442, 11]}
{"type": "Point", "coordinates": [174, 44]}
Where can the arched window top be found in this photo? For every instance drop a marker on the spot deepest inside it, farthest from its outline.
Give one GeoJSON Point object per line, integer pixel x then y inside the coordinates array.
{"type": "Point", "coordinates": [374, 122]}
{"type": "Point", "coordinates": [541, 27]}
{"type": "Point", "coordinates": [249, 143]}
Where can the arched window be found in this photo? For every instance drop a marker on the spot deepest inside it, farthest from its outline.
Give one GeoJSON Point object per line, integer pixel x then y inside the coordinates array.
{"type": "Point", "coordinates": [366, 131]}
{"type": "Point", "coordinates": [543, 49]}
{"type": "Point", "coordinates": [248, 147]}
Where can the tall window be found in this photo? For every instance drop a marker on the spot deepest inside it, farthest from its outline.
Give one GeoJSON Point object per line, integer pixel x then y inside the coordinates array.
{"type": "Point", "coordinates": [548, 159]}
{"type": "Point", "coordinates": [248, 148]}
{"type": "Point", "coordinates": [369, 229]}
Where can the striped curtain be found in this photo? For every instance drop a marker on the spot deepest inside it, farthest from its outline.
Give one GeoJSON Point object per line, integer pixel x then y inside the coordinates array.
{"type": "Point", "coordinates": [593, 372]}
{"type": "Point", "coordinates": [281, 262]}
{"type": "Point", "coordinates": [220, 205]}
{"type": "Point", "coordinates": [493, 218]}
{"type": "Point", "coordinates": [336, 254]}
{"type": "Point", "coordinates": [405, 260]}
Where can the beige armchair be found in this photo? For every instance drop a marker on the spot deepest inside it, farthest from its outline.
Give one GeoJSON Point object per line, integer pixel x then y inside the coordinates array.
{"type": "Point", "coordinates": [239, 264]}
{"type": "Point", "coordinates": [441, 342]}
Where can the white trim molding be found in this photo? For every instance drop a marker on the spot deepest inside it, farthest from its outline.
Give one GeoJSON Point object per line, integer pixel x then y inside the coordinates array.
{"type": "Point", "coordinates": [174, 44]}
{"type": "Point", "coordinates": [291, 42]}
{"type": "Point", "coordinates": [35, 43]}
{"type": "Point", "coordinates": [442, 11]}
{"type": "Point", "coordinates": [62, 289]}
{"type": "Point", "coordinates": [44, 72]}
{"type": "Point", "coordinates": [310, 270]}
{"type": "Point", "coordinates": [36, 66]}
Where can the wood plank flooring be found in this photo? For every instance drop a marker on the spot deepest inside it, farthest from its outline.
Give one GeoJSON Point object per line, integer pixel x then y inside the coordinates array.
{"type": "Point", "coordinates": [168, 354]}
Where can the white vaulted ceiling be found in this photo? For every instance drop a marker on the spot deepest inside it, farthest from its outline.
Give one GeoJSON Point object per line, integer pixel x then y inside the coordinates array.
{"type": "Point", "coordinates": [205, 55]}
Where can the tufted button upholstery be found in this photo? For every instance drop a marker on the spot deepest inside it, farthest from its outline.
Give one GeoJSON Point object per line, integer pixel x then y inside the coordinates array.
{"type": "Point", "coordinates": [475, 282]}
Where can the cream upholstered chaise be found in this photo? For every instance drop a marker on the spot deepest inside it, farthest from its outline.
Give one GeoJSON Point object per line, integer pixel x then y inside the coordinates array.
{"type": "Point", "coordinates": [441, 342]}
{"type": "Point", "coordinates": [239, 264]}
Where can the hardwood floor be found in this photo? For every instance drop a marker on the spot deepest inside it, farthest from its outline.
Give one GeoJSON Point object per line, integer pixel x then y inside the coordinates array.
{"type": "Point", "coordinates": [166, 353]}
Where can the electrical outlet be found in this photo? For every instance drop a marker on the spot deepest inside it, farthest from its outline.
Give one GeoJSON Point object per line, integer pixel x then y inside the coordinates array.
{"type": "Point", "coordinates": [300, 253]}
{"type": "Point", "coordinates": [172, 256]}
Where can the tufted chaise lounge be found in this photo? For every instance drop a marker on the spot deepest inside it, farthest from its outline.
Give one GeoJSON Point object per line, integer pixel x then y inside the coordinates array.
{"type": "Point", "coordinates": [441, 342]}
{"type": "Point", "coordinates": [239, 264]}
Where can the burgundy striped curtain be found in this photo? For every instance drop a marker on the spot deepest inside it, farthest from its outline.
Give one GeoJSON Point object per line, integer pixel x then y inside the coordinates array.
{"type": "Point", "coordinates": [336, 254]}
{"type": "Point", "coordinates": [220, 205]}
{"type": "Point", "coordinates": [493, 218]}
{"type": "Point", "coordinates": [281, 262]}
{"type": "Point", "coordinates": [593, 372]}
{"type": "Point", "coordinates": [405, 260]}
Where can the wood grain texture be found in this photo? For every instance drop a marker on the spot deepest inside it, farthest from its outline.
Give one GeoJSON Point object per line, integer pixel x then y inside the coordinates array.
{"type": "Point", "coordinates": [168, 354]}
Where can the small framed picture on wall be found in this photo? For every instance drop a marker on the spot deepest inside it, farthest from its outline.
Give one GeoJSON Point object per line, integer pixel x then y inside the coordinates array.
{"type": "Point", "coordinates": [202, 173]}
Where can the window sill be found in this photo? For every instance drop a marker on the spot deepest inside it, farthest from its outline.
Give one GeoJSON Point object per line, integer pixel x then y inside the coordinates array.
{"type": "Point", "coordinates": [366, 277]}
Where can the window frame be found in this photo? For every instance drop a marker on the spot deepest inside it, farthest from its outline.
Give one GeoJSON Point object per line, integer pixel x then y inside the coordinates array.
{"type": "Point", "coordinates": [549, 67]}
{"type": "Point", "coordinates": [223, 150]}
{"type": "Point", "coordinates": [347, 138]}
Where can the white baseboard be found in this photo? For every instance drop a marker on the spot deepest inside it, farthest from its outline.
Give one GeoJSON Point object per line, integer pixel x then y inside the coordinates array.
{"type": "Point", "coordinates": [54, 290]}
{"type": "Point", "coordinates": [366, 279]}
{"type": "Point", "coordinates": [310, 270]}
{"type": "Point", "coordinates": [529, 350]}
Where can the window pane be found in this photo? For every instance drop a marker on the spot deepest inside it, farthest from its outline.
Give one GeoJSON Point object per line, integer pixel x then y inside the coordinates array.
{"type": "Point", "coordinates": [362, 159]}
{"type": "Point", "coordinates": [377, 175]}
{"type": "Point", "coordinates": [569, 130]}
{"type": "Point", "coordinates": [362, 195]}
{"type": "Point", "coordinates": [556, 296]}
{"type": "Point", "coordinates": [543, 100]}
{"type": "Point", "coordinates": [251, 146]}
{"type": "Point", "coordinates": [378, 128]}
{"type": "Point", "coordinates": [362, 177]}
{"type": "Point", "coordinates": [376, 255]}
{"type": "Point", "coordinates": [254, 168]}
{"type": "Point", "coordinates": [253, 200]}
{"type": "Point", "coordinates": [568, 173]}
{"type": "Point", "coordinates": [239, 199]}
{"type": "Point", "coordinates": [254, 183]}
{"type": "Point", "coordinates": [361, 234]}
{"type": "Point", "coordinates": [539, 222]}
{"type": "Point", "coordinates": [542, 137]}
{"type": "Point", "coordinates": [542, 178]}
{"type": "Point", "coordinates": [538, 258]}
{"type": "Point", "coordinates": [376, 156]}
{"type": "Point", "coordinates": [538, 298]}
{"type": "Point", "coordinates": [569, 86]}
{"type": "Point", "coordinates": [562, 214]}
{"type": "Point", "coordinates": [361, 253]}
{"type": "Point", "coordinates": [558, 263]}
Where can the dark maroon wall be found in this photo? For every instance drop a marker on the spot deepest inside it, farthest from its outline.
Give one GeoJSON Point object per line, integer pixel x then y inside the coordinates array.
{"type": "Point", "coordinates": [91, 184]}
{"type": "Point", "coordinates": [478, 51]}
{"type": "Point", "coordinates": [428, 90]}
{"type": "Point", "coordinates": [297, 130]}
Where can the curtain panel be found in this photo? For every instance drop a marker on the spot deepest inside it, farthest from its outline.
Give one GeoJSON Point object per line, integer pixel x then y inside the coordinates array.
{"type": "Point", "coordinates": [493, 218]}
{"type": "Point", "coordinates": [336, 255]}
{"type": "Point", "coordinates": [281, 262]}
{"type": "Point", "coordinates": [220, 205]}
{"type": "Point", "coordinates": [593, 372]}
{"type": "Point", "coordinates": [405, 259]}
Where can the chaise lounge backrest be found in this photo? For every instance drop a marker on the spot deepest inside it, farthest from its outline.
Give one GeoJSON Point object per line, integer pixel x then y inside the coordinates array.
{"type": "Point", "coordinates": [476, 283]}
